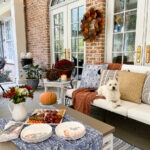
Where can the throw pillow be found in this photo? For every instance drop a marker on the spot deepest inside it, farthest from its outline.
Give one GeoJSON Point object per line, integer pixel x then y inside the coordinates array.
{"type": "Point", "coordinates": [111, 66]}
{"type": "Point", "coordinates": [107, 74]}
{"type": "Point", "coordinates": [90, 77]}
{"type": "Point", "coordinates": [146, 90]}
{"type": "Point", "coordinates": [131, 85]}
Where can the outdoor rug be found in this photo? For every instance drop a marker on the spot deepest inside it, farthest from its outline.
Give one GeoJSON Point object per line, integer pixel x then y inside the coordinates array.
{"type": "Point", "coordinates": [120, 144]}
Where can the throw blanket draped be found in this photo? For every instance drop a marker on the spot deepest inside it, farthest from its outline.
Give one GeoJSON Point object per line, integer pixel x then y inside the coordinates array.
{"type": "Point", "coordinates": [82, 98]}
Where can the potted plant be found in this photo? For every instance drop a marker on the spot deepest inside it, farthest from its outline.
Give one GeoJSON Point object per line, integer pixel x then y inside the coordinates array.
{"type": "Point", "coordinates": [33, 74]}
{"type": "Point", "coordinates": [18, 96]}
{"type": "Point", "coordinates": [64, 67]}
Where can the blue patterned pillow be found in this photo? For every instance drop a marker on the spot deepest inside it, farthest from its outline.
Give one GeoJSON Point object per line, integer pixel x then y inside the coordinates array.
{"type": "Point", "coordinates": [90, 77]}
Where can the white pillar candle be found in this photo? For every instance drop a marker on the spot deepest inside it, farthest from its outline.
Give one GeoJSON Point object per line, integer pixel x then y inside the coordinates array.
{"type": "Point", "coordinates": [63, 77]}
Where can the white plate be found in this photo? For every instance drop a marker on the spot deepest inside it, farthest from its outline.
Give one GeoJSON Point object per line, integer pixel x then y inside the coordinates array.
{"type": "Point", "coordinates": [36, 133]}
{"type": "Point", "coordinates": [70, 130]}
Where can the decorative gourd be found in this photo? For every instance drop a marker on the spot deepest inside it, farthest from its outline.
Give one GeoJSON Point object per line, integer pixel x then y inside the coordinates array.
{"type": "Point", "coordinates": [48, 98]}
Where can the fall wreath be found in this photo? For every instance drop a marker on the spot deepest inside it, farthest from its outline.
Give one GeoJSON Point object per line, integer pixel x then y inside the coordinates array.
{"type": "Point", "coordinates": [91, 34]}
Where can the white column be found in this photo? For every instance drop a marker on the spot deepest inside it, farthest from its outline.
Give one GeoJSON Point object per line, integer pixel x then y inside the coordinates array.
{"type": "Point", "coordinates": [18, 23]}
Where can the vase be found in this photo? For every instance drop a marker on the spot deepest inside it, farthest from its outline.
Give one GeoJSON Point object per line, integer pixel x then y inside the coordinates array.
{"type": "Point", "coordinates": [19, 112]}
{"type": "Point", "coordinates": [32, 82]}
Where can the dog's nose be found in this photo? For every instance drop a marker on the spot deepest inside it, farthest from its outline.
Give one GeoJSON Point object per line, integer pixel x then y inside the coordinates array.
{"type": "Point", "coordinates": [113, 88]}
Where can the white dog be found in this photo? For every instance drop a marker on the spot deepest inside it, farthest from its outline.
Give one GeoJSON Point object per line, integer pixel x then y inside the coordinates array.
{"type": "Point", "coordinates": [111, 92]}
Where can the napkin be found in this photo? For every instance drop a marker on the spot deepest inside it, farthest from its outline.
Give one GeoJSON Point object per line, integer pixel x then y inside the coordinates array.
{"type": "Point", "coordinates": [11, 131]}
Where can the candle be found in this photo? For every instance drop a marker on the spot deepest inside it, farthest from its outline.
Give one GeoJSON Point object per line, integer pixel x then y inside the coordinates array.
{"type": "Point", "coordinates": [138, 54]}
{"type": "Point", "coordinates": [63, 77]}
{"type": "Point", "coordinates": [148, 54]}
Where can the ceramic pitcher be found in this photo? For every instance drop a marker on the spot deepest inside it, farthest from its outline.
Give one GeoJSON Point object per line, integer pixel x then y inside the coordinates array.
{"type": "Point", "coordinates": [19, 112]}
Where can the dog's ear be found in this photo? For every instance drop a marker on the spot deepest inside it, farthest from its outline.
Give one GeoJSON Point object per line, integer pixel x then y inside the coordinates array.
{"type": "Point", "coordinates": [116, 78]}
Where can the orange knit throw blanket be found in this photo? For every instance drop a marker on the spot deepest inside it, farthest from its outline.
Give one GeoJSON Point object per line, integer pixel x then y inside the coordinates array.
{"type": "Point", "coordinates": [82, 98]}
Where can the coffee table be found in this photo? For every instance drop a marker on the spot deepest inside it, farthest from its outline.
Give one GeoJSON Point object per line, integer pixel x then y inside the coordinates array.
{"type": "Point", "coordinates": [104, 128]}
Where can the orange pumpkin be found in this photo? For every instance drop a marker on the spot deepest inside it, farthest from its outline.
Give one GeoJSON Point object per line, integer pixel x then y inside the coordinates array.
{"type": "Point", "coordinates": [48, 98]}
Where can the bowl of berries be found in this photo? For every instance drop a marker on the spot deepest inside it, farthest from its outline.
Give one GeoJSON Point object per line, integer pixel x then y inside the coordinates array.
{"type": "Point", "coordinates": [52, 117]}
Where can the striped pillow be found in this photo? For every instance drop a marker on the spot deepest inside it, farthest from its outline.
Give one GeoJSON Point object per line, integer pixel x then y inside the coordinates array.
{"type": "Point", "coordinates": [146, 90]}
{"type": "Point", "coordinates": [108, 74]}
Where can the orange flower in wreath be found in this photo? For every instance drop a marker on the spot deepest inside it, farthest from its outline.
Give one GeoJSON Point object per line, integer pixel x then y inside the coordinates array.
{"type": "Point", "coordinates": [86, 30]}
{"type": "Point", "coordinates": [89, 19]}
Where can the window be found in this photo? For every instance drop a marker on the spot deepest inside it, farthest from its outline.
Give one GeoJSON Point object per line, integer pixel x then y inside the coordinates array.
{"type": "Point", "coordinates": [124, 32]}
{"type": "Point", "coordinates": [1, 42]}
{"type": "Point", "coordinates": [9, 41]}
{"type": "Point", "coordinates": [127, 32]}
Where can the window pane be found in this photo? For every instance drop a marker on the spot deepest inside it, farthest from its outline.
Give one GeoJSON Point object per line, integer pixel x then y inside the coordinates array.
{"type": "Point", "coordinates": [117, 42]}
{"type": "Point", "coordinates": [79, 32]}
{"type": "Point", "coordinates": [81, 13]}
{"type": "Point", "coordinates": [59, 1]}
{"type": "Point", "coordinates": [56, 19]}
{"type": "Point", "coordinates": [61, 46]}
{"type": "Point", "coordinates": [10, 50]}
{"type": "Point", "coordinates": [117, 57]}
{"type": "Point", "coordinates": [119, 5]}
{"type": "Point", "coordinates": [59, 56]}
{"type": "Point", "coordinates": [74, 45]}
{"type": "Point", "coordinates": [128, 58]}
{"type": "Point", "coordinates": [8, 31]}
{"type": "Point", "coordinates": [130, 21]}
{"type": "Point", "coordinates": [131, 4]}
{"type": "Point", "coordinates": [129, 43]}
{"type": "Point", "coordinates": [57, 46]}
{"type": "Point", "coordinates": [80, 59]}
{"type": "Point", "coordinates": [118, 23]}
{"type": "Point", "coordinates": [74, 30]}
{"type": "Point", "coordinates": [61, 18]}
{"type": "Point", "coordinates": [1, 42]}
{"type": "Point", "coordinates": [54, 2]}
{"type": "Point", "coordinates": [74, 15]}
{"type": "Point", "coordinates": [56, 33]}
{"type": "Point", "coordinates": [79, 73]}
{"type": "Point", "coordinates": [74, 58]}
{"type": "Point", "coordinates": [81, 45]}
{"type": "Point", "coordinates": [61, 32]}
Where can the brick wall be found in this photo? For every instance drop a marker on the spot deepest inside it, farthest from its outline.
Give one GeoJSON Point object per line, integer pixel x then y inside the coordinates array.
{"type": "Point", "coordinates": [37, 30]}
{"type": "Point", "coordinates": [95, 50]}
